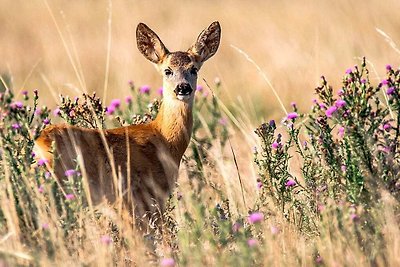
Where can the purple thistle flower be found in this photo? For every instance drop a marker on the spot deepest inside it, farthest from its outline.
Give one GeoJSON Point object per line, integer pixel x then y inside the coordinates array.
{"type": "Point", "coordinates": [387, 127]}
{"type": "Point", "coordinates": [106, 240]}
{"type": "Point", "coordinates": [38, 111]}
{"type": "Point", "coordinates": [252, 242]}
{"type": "Point", "coordinates": [329, 112]}
{"type": "Point", "coordinates": [144, 89]}
{"type": "Point", "coordinates": [199, 88]}
{"type": "Point", "coordinates": [16, 126]}
{"type": "Point", "coordinates": [340, 103]}
{"type": "Point", "coordinates": [292, 115]}
{"type": "Point", "coordinates": [385, 82]}
{"type": "Point", "coordinates": [115, 103]}
{"type": "Point", "coordinates": [293, 104]}
{"type": "Point", "coordinates": [46, 121]}
{"type": "Point", "coordinates": [110, 110]}
{"type": "Point", "coordinates": [223, 121]}
{"type": "Point", "coordinates": [343, 168]}
{"type": "Point", "coordinates": [354, 217]}
{"type": "Point", "coordinates": [24, 93]}
{"type": "Point", "coordinates": [275, 145]}
{"type": "Point", "coordinates": [69, 196]}
{"type": "Point", "coordinates": [390, 90]}
{"type": "Point", "coordinates": [160, 91]}
{"type": "Point", "coordinates": [236, 227]}
{"type": "Point", "coordinates": [349, 70]}
{"type": "Point", "coordinates": [17, 105]}
{"type": "Point", "coordinates": [259, 185]}
{"type": "Point", "coordinates": [290, 183]}
{"type": "Point", "coordinates": [388, 67]}
{"type": "Point", "coordinates": [322, 106]}
{"type": "Point", "coordinates": [341, 131]}
{"type": "Point", "coordinates": [255, 217]}
{"type": "Point", "coordinates": [57, 112]}
{"type": "Point", "coordinates": [41, 189]}
{"type": "Point", "coordinates": [71, 113]}
{"type": "Point", "coordinates": [45, 226]}
{"type": "Point", "coordinates": [272, 123]}
{"type": "Point", "coordinates": [128, 99]}
{"type": "Point", "coordinates": [42, 162]}
{"type": "Point", "coordinates": [131, 84]}
{"type": "Point", "coordinates": [70, 173]}
{"type": "Point", "coordinates": [340, 92]}
{"type": "Point", "coordinates": [319, 260]}
{"type": "Point", "coordinates": [167, 262]}
{"type": "Point", "coordinates": [363, 81]}
{"type": "Point", "coordinates": [274, 230]}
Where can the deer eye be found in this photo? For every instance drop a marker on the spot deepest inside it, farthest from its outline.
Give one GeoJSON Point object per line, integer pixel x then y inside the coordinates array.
{"type": "Point", "coordinates": [168, 72]}
{"type": "Point", "coordinates": [193, 71]}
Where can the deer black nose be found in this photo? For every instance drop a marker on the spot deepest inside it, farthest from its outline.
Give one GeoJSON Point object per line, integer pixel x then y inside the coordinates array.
{"type": "Point", "coordinates": [183, 89]}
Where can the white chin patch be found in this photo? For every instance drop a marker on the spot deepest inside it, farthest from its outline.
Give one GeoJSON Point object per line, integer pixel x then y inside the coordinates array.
{"type": "Point", "coordinates": [183, 97]}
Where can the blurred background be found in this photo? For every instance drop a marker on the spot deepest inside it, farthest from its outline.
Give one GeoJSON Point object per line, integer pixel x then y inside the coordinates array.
{"type": "Point", "coordinates": [44, 44]}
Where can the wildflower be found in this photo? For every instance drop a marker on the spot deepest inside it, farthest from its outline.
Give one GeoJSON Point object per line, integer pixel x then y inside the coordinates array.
{"type": "Point", "coordinates": [70, 172]}
{"type": "Point", "coordinates": [275, 145]}
{"type": "Point", "coordinates": [388, 67]}
{"type": "Point", "coordinates": [320, 208]}
{"type": "Point", "coordinates": [387, 127]}
{"type": "Point", "coordinates": [315, 101]}
{"type": "Point", "coordinates": [363, 81]}
{"type": "Point", "coordinates": [46, 121]}
{"type": "Point", "coordinates": [144, 89]}
{"type": "Point", "coordinates": [274, 230]}
{"type": "Point", "coordinates": [115, 102]}
{"type": "Point", "coordinates": [236, 227]}
{"type": "Point", "coordinates": [131, 84]}
{"type": "Point", "coordinates": [128, 99]}
{"type": "Point", "coordinates": [290, 183]}
{"type": "Point", "coordinates": [341, 131]}
{"type": "Point", "coordinates": [45, 226]}
{"type": "Point", "coordinates": [259, 185]}
{"type": "Point", "coordinates": [38, 111]}
{"type": "Point", "coordinates": [41, 189]}
{"type": "Point", "coordinates": [16, 126]}
{"type": "Point", "coordinates": [252, 242]}
{"type": "Point", "coordinates": [329, 112]}
{"type": "Point", "coordinates": [199, 88]}
{"type": "Point", "coordinates": [16, 105]}
{"type": "Point", "coordinates": [385, 82]}
{"type": "Point", "coordinates": [340, 103]}
{"type": "Point", "coordinates": [223, 121]}
{"type": "Point", "coordinates": [354, 217]}
{"type": "Point", "coordinates": [71, 113]}
{"type": "Point", "coordinates": [106, 240]}
{"type": "Point", "coordinates": [343, 168]}
{"type": "Point", "coordinates": [292, 116]}
{"type": "Point", "coordinates": [272, 124]}
{"type": "Point", "coordinates": [70, 196]}
{"type": "Point", "coordinates": [57, 112]}
{"type": "Point", "coordinates": [390, 90]}
{"type": "Point", "coordinates": [47, 175]}
{"type": "Point", "coordinates": [167, 262]}
{"type": "Point", "coordinates": [42, 162]}
{"type": "Point", "coordinates": [110, 110]}
{"type": "Point", "coordinates": [293, 104]}
{"type": "Point", "coordinates": [349, 70]}
{"type": "Point", "coordinates": [319, 260]}
{"type": "Point", "coordinates": [160, 91]}
{"type": "Point", "coordinates": [24, 93]}
{"type": "Point", "coordinates": [255, 217]}
{"type": "Point", "coordinates": [322, 105]}
{"type": "Point", "coordinates": [340, 92]}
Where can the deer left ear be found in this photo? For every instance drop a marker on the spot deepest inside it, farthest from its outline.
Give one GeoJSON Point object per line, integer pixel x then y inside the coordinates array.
{"type": "Point", "coordinates": [207, 43]}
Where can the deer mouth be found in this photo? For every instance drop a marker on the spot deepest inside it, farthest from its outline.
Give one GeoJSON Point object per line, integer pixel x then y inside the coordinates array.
{"type": "Point", "coordinates": [183, 91]}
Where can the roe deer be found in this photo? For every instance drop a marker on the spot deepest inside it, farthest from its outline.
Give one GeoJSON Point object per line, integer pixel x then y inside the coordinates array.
{"type": "Point", "coordinates": [146, 157]}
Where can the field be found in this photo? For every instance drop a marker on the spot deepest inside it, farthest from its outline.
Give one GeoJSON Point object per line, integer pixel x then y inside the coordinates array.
{"type": "Point", "coordinates": [294, 158]}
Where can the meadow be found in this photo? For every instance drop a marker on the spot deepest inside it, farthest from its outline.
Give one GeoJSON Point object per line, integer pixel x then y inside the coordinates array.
{"type": "Point", "coordinates": [294, 157]}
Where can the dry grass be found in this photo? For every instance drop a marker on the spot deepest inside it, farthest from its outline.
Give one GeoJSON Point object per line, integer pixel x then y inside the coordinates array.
{"type": "Point", "coordinates": [294, 42]}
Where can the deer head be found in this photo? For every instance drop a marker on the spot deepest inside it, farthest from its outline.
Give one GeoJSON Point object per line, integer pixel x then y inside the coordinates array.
{"type": "Point", "coordinates": [179, 69]}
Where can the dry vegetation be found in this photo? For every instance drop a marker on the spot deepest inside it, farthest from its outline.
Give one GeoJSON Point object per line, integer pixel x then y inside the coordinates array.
{"type": "Point", "coordinates": [71, 47]}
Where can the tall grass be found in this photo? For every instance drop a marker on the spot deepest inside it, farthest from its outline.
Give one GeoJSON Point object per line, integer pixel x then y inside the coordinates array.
{"type": "Point", "coordinates": [324, 188]}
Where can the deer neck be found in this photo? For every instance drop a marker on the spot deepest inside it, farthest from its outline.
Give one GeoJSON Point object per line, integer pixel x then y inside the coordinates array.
{"type": "Point", "coordinates": [175, 121]}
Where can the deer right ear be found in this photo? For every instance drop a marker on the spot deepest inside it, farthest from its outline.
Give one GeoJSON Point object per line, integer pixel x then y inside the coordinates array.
{"type": "Point", "coordinates": [149, 44]}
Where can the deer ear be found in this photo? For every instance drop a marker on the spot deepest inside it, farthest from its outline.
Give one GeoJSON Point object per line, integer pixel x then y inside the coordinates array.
{"type": "Point", "coordinates": [207, 43]}
{"type": "Point", "coordinates": [149, 44]}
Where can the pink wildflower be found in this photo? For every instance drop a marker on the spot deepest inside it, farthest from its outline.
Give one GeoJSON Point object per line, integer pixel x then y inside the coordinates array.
{"type": "Point", "coordinates": [340, 103]}
{"type": "Point", "coordinates": [42, 162]}
{"type": "Point", "coordinates": [144, 89]}
{"type": "Point", "coordinates": [70, 196]}
{"type": "Point", "coordinates": [160, 91]}
{"type": "Point", "coordinates": [290, 183]}
{"type": "Point", "coordinates": [252, 242]}
{"type": "Point", "coordinates": [255, 217]}
{"type": "Point", "coordinates": [70, 172]}
{"type": "Point", "coordinates": [341, 131]}
{"type": "Point", "coordinates": [106, 240]}
{"type": "Point", "coordinates": [292, 116]}
{"type": "Point", "coordinates": [329, 112]}
{"type": "Point", "coordinates": [274, 230]}
{"type": "Point", "coordinates": [167, 262]}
